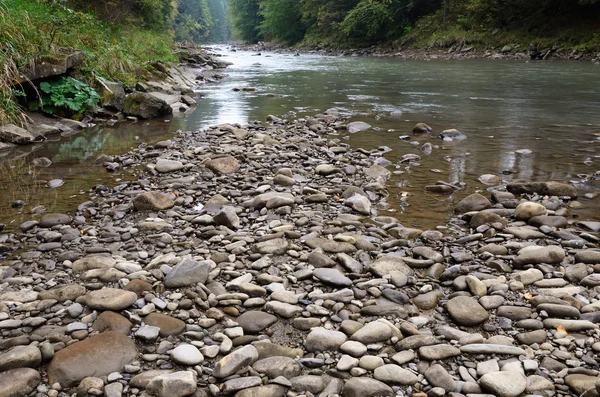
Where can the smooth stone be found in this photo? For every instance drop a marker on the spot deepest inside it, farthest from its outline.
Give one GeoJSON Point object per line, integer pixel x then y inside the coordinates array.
{"type": "Point", "coordinates": [223, 165]}
{"type": "Point", "coordinates": [320, 339]}
{"type": "Point", "coordinates": [373, 332]}
{"type": "Point", "coordinates": [569, 325]}
{"type": "Point", "coordinates": [366, 387]}
{"type": "Point", "coordinates": [485, 348]}
{"type": "Point", "coordinates": [534, 255]}
{"type": "Point", "coordinates": [466, 311]}
{"type": "Point", "coordinates": [394, 374]}
{"type": "Point", "coordinates": [176, 384]}
{"type": "Point", "coordinates": [437, 376]}
{"type": "Point", "coordinates": [388, 264]}
{"type": "Point", "coordinates": [278, 366]}
{"type": "Point", "coordinates": [165, 165]}
{"type": "Point", "coordinates": [580, 383]}
{"type": "Point", "coordinates": [188, 272]}
{"type": "Point", "coordinates": [473, 202]}
{"type": "Point", "coordinates": [168, 325]}
{"type": "Point", "coordinates": [504, 383]}
{"type": "Point", "coordinates": [20, 357]}
{"type": "Point", "coordinates": [152, 201]}
{"type": "Point", "coordinates": [438, 352]}
{"type": "Point", "coordinates": [110, 299]}
{"type": "Point", "coordinates": [235, 361]}
{"type": "Point", "coordinates": [255, 321]}
{"type": "Point", "coordinates": [529, 209]}
{"type": "Point", "coordinates": [332, 276]}
{"type": "Point", "coordinates": [19, 382]}
{"type": "Point", "coordinates": [187, 355]}
{"type": "Point", "coordinates": [99, 355]}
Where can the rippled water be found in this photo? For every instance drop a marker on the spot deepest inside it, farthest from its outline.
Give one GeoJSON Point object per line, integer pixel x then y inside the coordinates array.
{"type": "Point", "coordinates": [550, 108]}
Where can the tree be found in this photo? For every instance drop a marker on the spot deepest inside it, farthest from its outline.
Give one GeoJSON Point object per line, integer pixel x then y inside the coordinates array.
{"type": "Point", "coordinates": [282, 20]}
{"type": "Point", "coordinates": [220, 31]}
{"type": "Point", "coordinates": [246, 19]}
{"type": "Point", "coordinates": [193, 21]}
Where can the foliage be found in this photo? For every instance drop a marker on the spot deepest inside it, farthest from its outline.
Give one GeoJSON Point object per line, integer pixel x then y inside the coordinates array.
{"type": "Point", "coordinates": [282, 20]}
{"type": "Point", "coordinates": [246, 19]}
{"type": "Point", "coordinates": [194, 21]}
{"type": "Point", "coordinates": [66, 96]}
{"type": "Point", "coordinates": [220, 32]}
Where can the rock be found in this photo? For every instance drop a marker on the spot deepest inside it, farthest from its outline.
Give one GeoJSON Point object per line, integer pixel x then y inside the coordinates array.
{"type": "Point", "coordinates": [276, 246]}
{"type": "Point", "coordinates": [359, 203]}
{"type": "Point", "coordinates": [569, 325]}
{"type": "Point", "coordinates": [357, 126]}
{"type": "Point", "coordinates": [543, 188]}
{"type": "Point", "coordinates": [533, 255]}
{"type": "Point", "coordinates": [366, 387]}
{"type": "Point", "coordinates": [331, 246]}
{"type": "Point", "coordinates": [320, 339]}
{"type": "Point", "coordinates": [373, 332]}
{"type": "Point", "coordinates": [332, 277]}
{"type": "Point", "coordinates": [489, 179]}
{"type": "Point", "coordinates": [188, 272]}
{"type": "Point", "coordinates": [168, 325]}
{"type": "Point", "coordinates": [504, 383]}
{"type": "Point", "coordinates": [278, 366]}
{"type": "Point", "coordinates": [63, 293]}
{"type": "Point", "coordinates": [50, 220]}
{"type": "Point", "coordinates": [254, 322]}
{"type": "Point", "coordinates": [177, 384]}
{"type": "Point", "coordinates": [529, 276]}
{"type": "Point", "coordinates": [146, 106]}
{"type": "Point", "coordinates": [310, 383]}
{"type": "Point", "coordinates": [19, 382]}
{"type": "Point", "coordinates": [421, 128]}
{"type": "Point", "coordinates": [112, 95]}
{"type": "Point", "coordinates": [374, 172]}
{"type": "Point", "coordinates": [547, 220]}
{"type": "Point", "coordinates": [19, 357]}
{"type": "Point", "coordinates": [388, 264]}
{"type": "Point", "coordinates": [394, 374]}
{"type": "Point", "coordinates": [588, 256]}
{"type": "Point", "coordinates": [452, 135]}
{"type": "Point", "coordinates": [466, 311]}
{"type": "Point", "coordinates": [185, 354]}
{"type": "Point", "coordinates": [10, 133]}
{"type": "Point", "coordinates": [438, 352]}
{"type": "Point", "coordinates": [235, 361]}
{"type": "Point", "coordinates": [112, 321]}
{"type": "Point", "coordinates": [485, 348]}
{"type": "Point", "coordinates": [486, 218]}
{"type": "Point", "coordinates": [263, 391]}
{"type": "Point", "coordinates": [223, 165]}
{"type": "Point", "coordinates": [94, 261]}
{"type": "Point", "coordinates": [166, 165]}
{"type": "Point", "coordinates": [528, 209]}
{"type": "Point", "coordinates": [474, 202]}
{"type": "Point", "coordinates": [110, 299]}
{"type": "Point", "coordinates": [96, 356]}
{"type": "Point", "coordinates": [227, 217]}
{"type": "Point", "coordinates": [437, 376]}
{"type": "Point", "coordinates": [152, 201]}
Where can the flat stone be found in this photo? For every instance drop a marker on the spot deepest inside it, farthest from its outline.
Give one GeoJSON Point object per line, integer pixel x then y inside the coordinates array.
{"type": "Point", "coordinates": [373, 332]}
{"type": "Point", "coordinates": [569, 325]}
{"type": "Point", "coordinates": [278, 366]}
{"type": "Point", "coordinates": [96, 356]}
{"type": "Point", "coordinates": [332, 276]}
{"type": "Point", "coordinates": [111, 321]}
{"type": "Point", "coordinates": [110, 299]}
{"type": "Point", "coordinates": [437, 376]}
{"type": "Point", "coordinates": [486, 348]}
{"type": "Point", "coordinates": [223, 165]}
{"type": "Point", "coordinates": [63, 293]}
{"type": "Point", "coordinates": [255, 321]}
{"type": "Point", "coordinates": [263, 391]}
{"type": "Point", "coordinates": [310, 383]}
{"type": "Point", "coordinates": [466, 311]}
{"type": "Point", "coordinates": [19, 382]}
{"type": "Point", "coordinates": [473, 202]}
{"type": "Point", "coordinates": [330, 246]}
{"type": "Point", "coordinates": [166, 165]}
{"type": "Point", "coordinates": [504, 383]}
{"type": "Point", "coordinates": [177, 384]}
{"type": "Point", "coordinates": [50, 220]}
{"type": "Point", "coordinates": [152, 201]}
{"type": "Point", "coordinates": [438, 352]}
{"type": "Point", "coordinates": [188, 272]}
{"type": "Point", "coordinates": [235, 361]}
{"type": "Point", "coordinates": [320, 339]}
{"type": "Point", "coordinates": [543, 188]}
{"type": "Point", "coordinates": [388, 264]}
{"type": "Point", "coordinates": [580, 383]}
{"type": "Point", "coordinates": [534, 255]}
{"type": "Point", "coordinates": [94, 261]}
{"type": "Point", "coordinates": [366, 387]}
{"type": "Point", "coordinates": [19, 357]}
{"type": "Point", "coordinates": [167, 324]}
{"type": "Point", "coordinates": [394, 374]}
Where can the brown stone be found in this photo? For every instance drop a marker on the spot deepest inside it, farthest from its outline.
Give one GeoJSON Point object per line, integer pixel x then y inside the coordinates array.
{"type": "Point", "coordinates": [167, 324]}
{"type": "Point", "coordinates": [111, 321]}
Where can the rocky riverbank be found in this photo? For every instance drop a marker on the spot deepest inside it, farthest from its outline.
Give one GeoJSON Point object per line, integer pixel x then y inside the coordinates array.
{"type": "Point", "coordinates": [405, 51]}
{"type": "Point", "coordinates": [249, 261]}
{"type": "Point", "coordinates": [169, 90]}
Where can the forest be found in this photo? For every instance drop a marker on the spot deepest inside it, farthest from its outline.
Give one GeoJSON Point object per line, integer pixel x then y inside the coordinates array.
{"type": "Point", "coordinates": [432, 22]}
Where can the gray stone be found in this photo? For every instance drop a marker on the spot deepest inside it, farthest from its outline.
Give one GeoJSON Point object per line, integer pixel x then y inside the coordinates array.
{"type": "Point", "coordinates": [188, 272]}
{"type": "Point", "coordinates": [320, 339]}
{"type": "Point", "coordinates": [438, 352]}
{"type": "Point", "coordinates": [394, 374]}
{"type": "Point", "coordinates": [437, 376]}
{"type": "Point", "coordinates": [278, 366]}
{"type": "Point", "coordinates": [366, 387]}
{"type": "Point", "coordinates": [186, 355]}
{"type": "Point", "coordinates": [332, 276]}
{"type": "Point", "coordinates": [152, 201]}
{"type": "Point", "coordinates": [146, 106]}
{"type": "Point", "coordinates": [373, 332]}
{"type": "Point", "coordinates": [474, 202]}
{"type": "Point", "coordinates": [19, 357]}
{"type": "Point", "coordinates": [388, 264]}
{"type": "Point", "coordinates": [227, 217]}
{"type": "Point", "coordinates": [466, 311]}
{"type": "Point", "coordinates": [19, 382]}
{"type": "Point", "coordinates": [357, 126]}
{"type": "Point", "coordinates": [504, 383]}
{"type": "Point", "coordinates": [177, 384]}
{"type": "Point", "coordinates": [235, 361]}
{"type": "Point", "coordinates": [223, 165]}
{"type": "Point", "coordinates": [543, 188]}
{"type": "Point", "coordinates": [529, 209]}
{"type": "Point", "coordinates": [551, 254]}
{"type": "Point", "coordinates": [110, 299]}
{"type": "Point", "coordinates": [166, 165]}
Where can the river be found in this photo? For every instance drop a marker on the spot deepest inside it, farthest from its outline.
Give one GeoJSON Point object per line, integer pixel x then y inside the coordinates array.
{"type": "Point", "coordinates": [549, 108]}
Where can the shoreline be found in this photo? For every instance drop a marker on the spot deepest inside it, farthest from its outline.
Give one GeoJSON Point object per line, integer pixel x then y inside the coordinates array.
{"type": "Point", "coordinates": [423, 54]}
{"type": "Point", "coordinates": [253, 250]}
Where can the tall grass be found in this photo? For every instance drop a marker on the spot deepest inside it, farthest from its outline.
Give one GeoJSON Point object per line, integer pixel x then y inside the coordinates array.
{"type": "Point", "coordinates": [32, 28]}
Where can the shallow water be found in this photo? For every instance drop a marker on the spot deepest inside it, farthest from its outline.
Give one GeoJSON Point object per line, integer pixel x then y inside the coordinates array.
{"type": "Point", "coordinates": [550, 108]}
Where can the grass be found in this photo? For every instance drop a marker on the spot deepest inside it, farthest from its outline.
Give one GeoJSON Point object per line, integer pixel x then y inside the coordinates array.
{"type": "Point", "coordinates": [33, 28]}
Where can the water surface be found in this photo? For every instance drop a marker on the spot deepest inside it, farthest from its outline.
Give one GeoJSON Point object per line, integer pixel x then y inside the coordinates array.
{"type": "Point", "coordinates": [550, 108]}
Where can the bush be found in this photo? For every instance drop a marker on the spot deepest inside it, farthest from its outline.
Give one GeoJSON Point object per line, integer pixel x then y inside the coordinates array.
{"type": "Point", "coordinates": [67, 97]}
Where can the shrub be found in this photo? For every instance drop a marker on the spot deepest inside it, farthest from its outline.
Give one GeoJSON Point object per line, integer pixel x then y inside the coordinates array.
{"type": "Point", "coordinates": [67, 97]}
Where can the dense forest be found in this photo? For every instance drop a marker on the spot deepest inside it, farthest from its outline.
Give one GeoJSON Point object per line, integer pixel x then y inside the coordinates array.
{"type": "Point", "coordinates": [433, 22]}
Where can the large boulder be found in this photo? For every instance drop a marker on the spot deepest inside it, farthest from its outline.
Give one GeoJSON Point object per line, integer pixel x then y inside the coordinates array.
{"type": "Point", "coordinates": [96, 356]}
{"type": "Point", "coordinates": [12, 134]}
{"type": "Point", "coordinates": [146, 106]}
{"type": "Point", "coordinates": [112, 95]}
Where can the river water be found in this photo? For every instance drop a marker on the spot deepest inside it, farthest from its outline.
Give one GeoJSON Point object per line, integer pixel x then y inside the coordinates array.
{"type": "Point", "coordinates": [550, 108]}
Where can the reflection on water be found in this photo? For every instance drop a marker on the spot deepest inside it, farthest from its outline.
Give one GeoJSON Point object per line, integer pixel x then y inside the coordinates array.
{"type": "Point", "coordinates": [502, 106]}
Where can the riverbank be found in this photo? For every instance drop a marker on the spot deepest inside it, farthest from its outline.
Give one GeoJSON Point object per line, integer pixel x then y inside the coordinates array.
{"type": "Point", "coordinates": [250, 261]}
{"type": "Point", "coordinates": [456, 52]}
